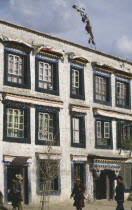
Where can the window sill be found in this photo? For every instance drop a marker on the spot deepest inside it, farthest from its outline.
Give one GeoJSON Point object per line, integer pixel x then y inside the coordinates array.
{"type": "Point", "coordinates": [17, 140]}
{"type": "Point", "coordinates": [47, 143]}
{"type": "Point", "coordinates": [103, 147]}
{"type": "Point", "coordinates": [81, 97]}
{"type": "Point", "coordinates": [13, 84]}
{"type": "Point", "coordinates": [53, 92]}
{"type": "Point", "coordinates": [78, 145]}
{"type": "Point", "coordinates": [107, 103]}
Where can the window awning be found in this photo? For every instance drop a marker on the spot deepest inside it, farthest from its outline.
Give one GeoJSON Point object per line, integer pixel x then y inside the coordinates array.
{"type": "Point", "coordinates": [44, 156]}
{"type": "Point", "coordinates": [112, 114]}
{"type": "Point", "coordinates": [79, 157]}
{"type": "Point", "coordinates": [17, 160]}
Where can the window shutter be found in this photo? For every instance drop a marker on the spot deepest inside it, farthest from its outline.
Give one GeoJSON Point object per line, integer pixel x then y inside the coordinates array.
{"type": "Point", "coordinates": [108, 89]}
{"type": "Point", "coordinates": [82, 130]}
{"type": "Point", "coordinates": [56, 137]}
{"type": "Point", "coordinates": [55, 76]}
{"type": "Point", "coordinates": [127, 94]}
{"type": "Point", "coordinates": [119, 134]}
{"type": "Point", "coordinates": [26, 130]}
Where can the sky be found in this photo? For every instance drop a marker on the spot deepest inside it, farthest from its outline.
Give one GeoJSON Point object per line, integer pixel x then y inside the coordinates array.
{"type": "Point", "coordinates": [110, 21]}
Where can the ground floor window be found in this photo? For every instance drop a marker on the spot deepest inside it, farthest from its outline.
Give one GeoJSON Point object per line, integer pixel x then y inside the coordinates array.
{"type": "Point", "coordinates": [49, 175]}
{"type": "Point", "coordinates": [126, 173]}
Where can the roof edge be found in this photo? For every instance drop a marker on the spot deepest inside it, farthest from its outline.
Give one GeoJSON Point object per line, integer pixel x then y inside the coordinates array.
{"type": "Point", "coordinates": [64, 41]}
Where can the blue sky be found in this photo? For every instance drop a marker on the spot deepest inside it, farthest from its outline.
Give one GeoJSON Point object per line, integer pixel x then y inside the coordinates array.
{"type": "Point", "coordinates": [110, 20]}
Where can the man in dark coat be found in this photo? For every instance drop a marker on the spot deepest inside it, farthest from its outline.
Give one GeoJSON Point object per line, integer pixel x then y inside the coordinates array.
{"type": "Point", "coordinates": [78, 193]}
{"type": "Point", "coordinates": [120, 189]}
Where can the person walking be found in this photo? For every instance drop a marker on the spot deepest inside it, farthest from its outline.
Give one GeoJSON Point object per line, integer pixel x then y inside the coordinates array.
{"type": "Point", "coordinates": [16, 191]}
{"type": "Point", "coordinates": [120, 189]}
{"type": "Point", "coordinates": [78, 194]}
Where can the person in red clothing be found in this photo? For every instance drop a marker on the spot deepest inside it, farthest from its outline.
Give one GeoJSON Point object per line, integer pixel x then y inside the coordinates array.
{"type": "Point", "coordinates": [78, 194]}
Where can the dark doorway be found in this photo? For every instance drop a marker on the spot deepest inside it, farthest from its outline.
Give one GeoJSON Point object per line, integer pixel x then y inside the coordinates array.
{"type": "Point", "coordinates": [105, 185]}
{"type": "Point", "coordinates": [11, 172]}
{"type": "Point", "coordinates": [79, 171]}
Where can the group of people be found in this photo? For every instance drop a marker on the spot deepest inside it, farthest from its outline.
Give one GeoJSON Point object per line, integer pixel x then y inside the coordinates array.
{"type": "Point", "coordinates": [78, 194]}
{"type": "Point", "coordinates": [15, 192]}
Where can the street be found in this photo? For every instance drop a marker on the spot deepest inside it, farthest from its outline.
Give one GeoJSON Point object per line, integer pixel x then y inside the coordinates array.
{"type": "Point", "coordinates": [97, 205]}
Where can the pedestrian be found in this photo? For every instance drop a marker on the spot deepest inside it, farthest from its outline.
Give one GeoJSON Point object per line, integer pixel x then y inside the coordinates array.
{"type": "Point", "coordinates": [16, 192]}
{"type": "Point", "coordinates": [120, 189]}
{"type": "Point", "coordinates": [78, 194]}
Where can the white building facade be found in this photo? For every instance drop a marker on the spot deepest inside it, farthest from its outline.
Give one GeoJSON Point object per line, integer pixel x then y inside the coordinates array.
{"type": "Point", "coordinates": [72, 98]}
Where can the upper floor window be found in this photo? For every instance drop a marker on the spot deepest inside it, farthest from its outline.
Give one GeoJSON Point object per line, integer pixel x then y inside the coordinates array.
{"type": "Point", "coordinates": [102, 91]}
{"type": "Point", "coordinates": [78, 130]}
{"type": "Point", "coordinates": [47, 127]}
{"type": "Point", "coordinates": [47, 79]}
{"type": "Point", "coordinates": [16, 124]}
{"type": "Point", "coordinates": [17, 71]}
{"type": "Point", "coordinates": [45, 76]}
{"type": "Point", "coordinates": [103, 133]}
{"type": "Point", "coordinates": [77, 82]}
{"type": "Point", "coordinates": [122, 94]}
{"type": "Point", "coordinates": [124, 137]}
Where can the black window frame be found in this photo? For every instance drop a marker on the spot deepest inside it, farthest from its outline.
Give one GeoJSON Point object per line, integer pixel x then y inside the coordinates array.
{"type": "Point", "coordinates": [58, 182]}
{"type": "Point", "coordinates": [82, 133]}
{"type": "Point", "coordinates": [26, 109]}
{"type": "Point", "coordinates": [128, 91]}
{"type": "Point", "coordinates": [55, 63]}
{"type": "Point", "coordinates": [119, 130]}
{"type": "Point", "coordinates": [103, 119]}
{"type": "Point", "coordinates": [55, 113]}
{"type": "Point", "coordinates": [81, 94]}
{"type": "Point", "coordinates": [108, 86]}
{"type": "Point", "coordinates": [26, 58]}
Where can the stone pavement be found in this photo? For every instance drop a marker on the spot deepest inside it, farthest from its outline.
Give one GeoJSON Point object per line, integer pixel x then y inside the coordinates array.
{"type": "Point", "coordinates": [97, 205]}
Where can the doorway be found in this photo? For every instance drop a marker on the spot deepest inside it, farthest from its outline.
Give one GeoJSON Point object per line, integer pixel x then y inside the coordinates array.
{"type": "Point", "coordinates": [105, 185]}
{"type": "Point", "coordinates": [11, 172]}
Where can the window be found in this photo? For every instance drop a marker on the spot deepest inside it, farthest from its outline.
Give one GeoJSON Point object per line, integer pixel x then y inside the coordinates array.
{"type": "Point", "coordinates": [45, 130]}
{"type": "Point", "coordinates": [77, 82]}
{"type": "Point", "coordinates": [47, 127]}
{"type": "Point", "coordinates": [47, 79]}
{"type": "Point", "coordinates": [102, 88]}
{"type": "Point", "coordinates": [45, 76]}
{"type": "Point", "coordinates": [17, 71]}
{"type": "Point", "coordinates": [124, 135]}
{"type": "Point", "coordinates": [15, 123]}
{"type": "Point", "coordinates": [78, 131]}
{"type": "Point", "coordinates": [122, 94]}
{"type": "Point", "coordinates": [49, 175]}
{"type": "Point", "coordinates": [16, 126]}
{"type": "Point", "coordinates": [103, 133]}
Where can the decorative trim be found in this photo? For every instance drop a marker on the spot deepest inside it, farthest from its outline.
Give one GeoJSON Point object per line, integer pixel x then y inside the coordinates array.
{"type": "Point", "coordinates": [16, 46]}
{"type": "Point", "coordinates": [47, 58]}
{"type": "Point", "coordinates": [50, 53]}
{"type": "Point", "coordinates": [101, 73]}
{"type": "Point", "coordinates": [111, 70]}
{"type": "Point", "coordinates": [31, 100]}
{"type": "Point", "coordinates": [112, 114]}
{"type": "Point", "coordinates": [15, 51]}
{"type": "Point", "coordinates": [122, 79]}
{"type": "Point", "coordinates": [77, 108]}
{"type": "Point", "coordinates": [76, 66]}
{"type": "Point", "coordinates": [44, 156]}
{"type": "Point", "coordinates": [82, 158]}
{"type": "Point", "coordinates": [8, 158]}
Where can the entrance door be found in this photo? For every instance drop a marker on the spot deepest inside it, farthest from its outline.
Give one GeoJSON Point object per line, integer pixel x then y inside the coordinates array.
{"type": "Point", "coordinates": [11, 172]}
{"type": "Point", "coordinates": [105, 185]}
